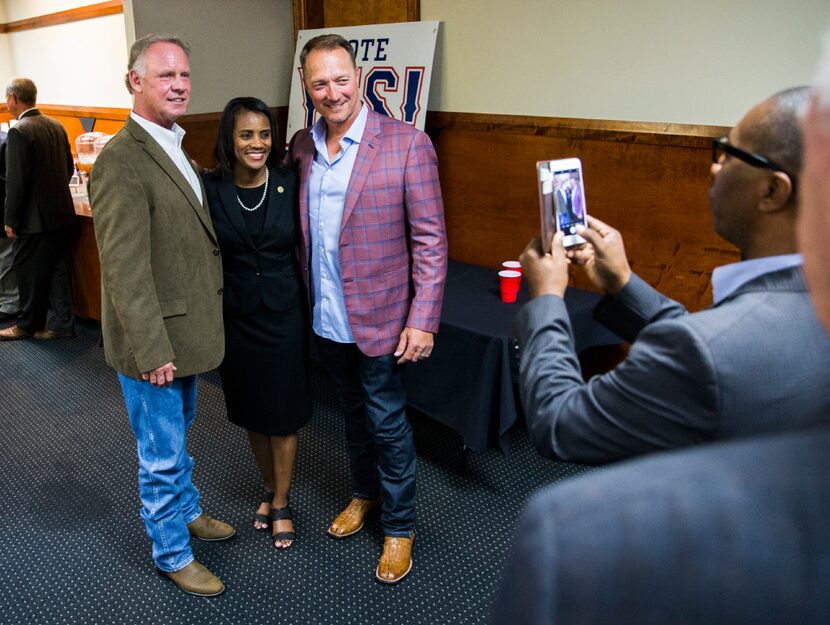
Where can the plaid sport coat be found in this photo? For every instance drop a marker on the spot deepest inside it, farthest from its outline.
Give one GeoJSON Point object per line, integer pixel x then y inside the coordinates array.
{"type": "Point", "coordinates": [393, 244]}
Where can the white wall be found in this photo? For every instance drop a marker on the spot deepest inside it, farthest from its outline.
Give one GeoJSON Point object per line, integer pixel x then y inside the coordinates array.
{"type": "Point", "coordinates": [70, 63]}
{"type": "Point", "coordinates": [6, 68]}
{"type": "Point", "coordinates": [240, 48]}
{"type": "Point", "coordinates": [682, 61]}
{"type": "Point", "coordinates": [23, 9]}
{"type": "Point", "coordinates": [698, 62]}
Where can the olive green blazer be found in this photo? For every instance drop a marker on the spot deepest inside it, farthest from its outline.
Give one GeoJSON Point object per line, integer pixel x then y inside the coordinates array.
{"type": "Point", "coordinates": [161, 272]}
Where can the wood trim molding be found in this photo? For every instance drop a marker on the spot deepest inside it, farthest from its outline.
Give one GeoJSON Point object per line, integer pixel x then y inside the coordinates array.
{"type": "Point", "coordinates": [307, 14]}
{"type": "Point", "coordinates": [63, 17]}
{"type": "Point", "coordinates": [652, 133]}
{"type": "Point", "coordinates": [413, 10]}
{"type": "Point", "coordinates": [98, 112]}
{"type": "Point", "coordinates": [310, 13]}
{"type": "Point", "coordinates": [196, 118]}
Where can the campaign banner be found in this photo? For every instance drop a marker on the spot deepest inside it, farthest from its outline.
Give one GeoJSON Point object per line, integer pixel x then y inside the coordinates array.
{"type": "Point", "coordinates": [394, 63]}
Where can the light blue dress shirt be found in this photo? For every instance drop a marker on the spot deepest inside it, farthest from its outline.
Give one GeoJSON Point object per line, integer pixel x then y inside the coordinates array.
{"type": "Point", "coordinates": [727, 278]}
{"type": "Point", "coordinates": [326, 201]}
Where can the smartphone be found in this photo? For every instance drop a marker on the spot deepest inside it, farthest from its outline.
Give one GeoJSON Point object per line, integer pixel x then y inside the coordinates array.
{"type": "Point", "coordinates": [561, 200]}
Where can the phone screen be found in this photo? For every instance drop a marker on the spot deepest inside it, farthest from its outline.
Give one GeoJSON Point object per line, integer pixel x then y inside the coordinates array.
{"type": "Point", "coordinates": [562, 199]}
{"type": "Point", "coordinates": [569, 200]}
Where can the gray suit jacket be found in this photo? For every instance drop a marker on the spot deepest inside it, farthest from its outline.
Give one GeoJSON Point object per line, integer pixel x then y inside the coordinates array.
{"type": "Point", "coordinates": [754, 363]}
{"type": "Point", "coordinates": [730, 534]}
{"type": "Point", "coordinates": [161, 273]}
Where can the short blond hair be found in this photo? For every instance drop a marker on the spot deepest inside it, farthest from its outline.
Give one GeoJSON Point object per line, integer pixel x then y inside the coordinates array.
{"type": "Point", "coordinates": [139, 50]}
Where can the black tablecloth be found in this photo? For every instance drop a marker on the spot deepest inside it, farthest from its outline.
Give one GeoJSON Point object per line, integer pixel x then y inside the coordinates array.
{"type": "Point", "coordinates": [468, 382]}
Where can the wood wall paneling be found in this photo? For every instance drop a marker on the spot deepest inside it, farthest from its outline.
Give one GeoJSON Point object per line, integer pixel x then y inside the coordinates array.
{"type": "Point", "coordinates": [333, 13]}
{"type": "Point", "coordinates": [107, 120]}
{"type": "Point", "coordinates": [86, 272]}
{"type": "Point", "coordinates": [63, 17]}
{"type": "Point", "coordinates": [307, 14]}
{"type": "Point", "coordinates": [652, 186]}
{"type": "Point", "coordinates": [350, 13]}
{"type": "Point", "coordinates": [650, 181]}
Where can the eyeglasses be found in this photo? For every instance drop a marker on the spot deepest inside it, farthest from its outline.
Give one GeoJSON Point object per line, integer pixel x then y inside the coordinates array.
{"type": "Point", "coordinates": [721, 146]}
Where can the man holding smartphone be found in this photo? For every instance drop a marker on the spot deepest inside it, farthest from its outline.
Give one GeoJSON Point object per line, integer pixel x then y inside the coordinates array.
{"type": "Point", "coordinates": [606, 547]}
{"type": "Point", "coordinates": [745, 366]}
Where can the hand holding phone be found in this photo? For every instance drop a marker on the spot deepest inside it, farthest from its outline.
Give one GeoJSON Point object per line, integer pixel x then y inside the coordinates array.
{"type": "Point", "coordinates": [603, 259]}
{"type": "Point", "coordinates": [545, 273]}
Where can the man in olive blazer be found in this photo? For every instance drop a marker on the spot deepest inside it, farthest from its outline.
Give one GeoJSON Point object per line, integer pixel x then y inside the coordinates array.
{"type": "Point", "coordinates": [39, 215]}
{"type": "Point", "coordinates": [161, 304]}
{"type": "Point", "coordinates": [161, 279]}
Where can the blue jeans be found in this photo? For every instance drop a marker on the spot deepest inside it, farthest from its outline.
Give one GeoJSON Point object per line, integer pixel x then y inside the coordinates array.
{"type": "Point", "coordinates": [379, 439]}
{"type": "Point", "coordinates": [159, 418]}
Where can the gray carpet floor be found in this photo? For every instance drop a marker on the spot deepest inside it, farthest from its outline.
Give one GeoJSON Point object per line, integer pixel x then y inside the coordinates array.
{"type": "Point", "coordinates": [73, 548]}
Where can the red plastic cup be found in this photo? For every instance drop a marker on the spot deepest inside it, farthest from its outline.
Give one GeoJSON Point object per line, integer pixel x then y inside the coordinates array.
{"type": "Point", "coordinates": [512, 265]}
{"type": "Point", "coordinates": [509, 281]}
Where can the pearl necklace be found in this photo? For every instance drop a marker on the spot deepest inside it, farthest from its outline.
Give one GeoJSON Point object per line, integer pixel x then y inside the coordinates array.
{"type": "Point", "coordinates": [261, 200]}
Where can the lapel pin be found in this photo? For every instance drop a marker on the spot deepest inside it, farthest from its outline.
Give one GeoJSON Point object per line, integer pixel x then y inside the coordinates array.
{"type": "Point", "coordinates": [280, 189]}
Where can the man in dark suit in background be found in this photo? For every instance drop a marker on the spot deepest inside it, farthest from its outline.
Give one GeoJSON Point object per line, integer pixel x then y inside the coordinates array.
{"type": "Point", "coordinates": [745, 366]}
{"type": "Point", "coordinates": [39, 217]}
{"type": "Point", "coordinates": [9, 301]}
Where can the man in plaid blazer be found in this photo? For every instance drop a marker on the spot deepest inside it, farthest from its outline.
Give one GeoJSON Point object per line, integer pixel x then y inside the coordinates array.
{"type": "Point", "coordinates": [374, 256]}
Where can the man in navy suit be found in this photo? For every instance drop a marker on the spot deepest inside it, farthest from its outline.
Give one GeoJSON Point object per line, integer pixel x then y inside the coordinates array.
{"type": "Point", "coordinates": [733, 533]}
{"type": "Point", "coordinates": [745, 366]}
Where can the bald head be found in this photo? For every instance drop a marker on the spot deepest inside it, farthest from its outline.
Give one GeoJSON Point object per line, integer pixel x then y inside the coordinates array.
{"type": "Point", "coordinates": [754, 193]}
{"type": "Point", "coordinates": [775, 129]}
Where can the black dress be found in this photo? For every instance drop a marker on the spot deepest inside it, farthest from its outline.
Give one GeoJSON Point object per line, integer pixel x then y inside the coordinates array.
{"type": "Point", "coordinates": [264, 373]}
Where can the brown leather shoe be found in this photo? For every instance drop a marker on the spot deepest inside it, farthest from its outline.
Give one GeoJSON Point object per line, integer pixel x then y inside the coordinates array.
{"type": "Point", "coordinates": [396, 559]}
{"type": "Point", "coordinates": [205, 528]}
{"type": "Point", "coordinates": [51, 335]}
{"type": "Point", "coordinates": [14, 333]}
{"type": "Point", "coordinates": [350, 521]}
{"type": "Point", "coordinates": [196, 579]}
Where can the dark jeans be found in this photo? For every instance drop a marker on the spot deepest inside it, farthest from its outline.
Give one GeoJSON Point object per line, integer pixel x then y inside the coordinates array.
{"type": "Point", "coordinates": [379, 438]}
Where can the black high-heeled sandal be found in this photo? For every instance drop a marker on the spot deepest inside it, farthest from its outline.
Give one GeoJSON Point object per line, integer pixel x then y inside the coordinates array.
{"type": "Point", "coordinates": [282, 514]}
{"type": "Point", "coordinates": [267, 498]}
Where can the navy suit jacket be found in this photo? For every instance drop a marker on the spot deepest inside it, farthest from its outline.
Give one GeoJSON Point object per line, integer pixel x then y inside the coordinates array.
{"type": "Point", "coordinates": [263, 270]}
{"type": "Point", "coordinates": [749, 365]}
{"type": "Point", "coordinates": [734, 533]}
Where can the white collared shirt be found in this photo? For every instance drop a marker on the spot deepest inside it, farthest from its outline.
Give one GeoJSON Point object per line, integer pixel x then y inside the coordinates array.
{"type": "Point", "coordinates": [728, 278]}
{"type": "Point", "coordinates": [171, 142]}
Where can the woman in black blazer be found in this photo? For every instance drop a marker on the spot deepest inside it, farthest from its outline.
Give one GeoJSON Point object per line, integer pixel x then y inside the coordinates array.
{"type": "Point", "coordinates": [252, 199]}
